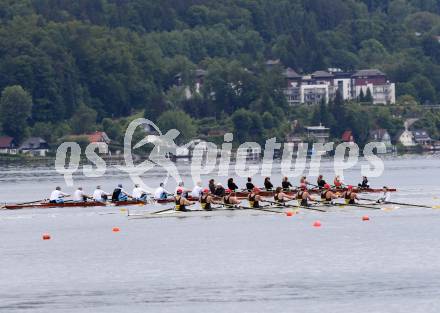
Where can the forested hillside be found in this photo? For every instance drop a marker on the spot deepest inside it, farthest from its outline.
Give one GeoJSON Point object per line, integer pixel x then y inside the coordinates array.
{"type": "Point", "coordinates": [111, 58]}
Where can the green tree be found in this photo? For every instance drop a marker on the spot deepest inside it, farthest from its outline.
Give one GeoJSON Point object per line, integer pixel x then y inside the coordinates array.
{"type": "Point", "coordinates": [268, 120]}
{"type": "Point", "coordinates": [15, 110]}
{"type": "Point", "coordinates": [84, 120]}
{"type": "Point", "coordinates": [368, 96]}
{"type": "Point", "coordinates": [178, 120]}
{"type": "Point", "coordinates": [338, 110]}
{"type": "Point", "coordinates": [248, 126]}
{"type": "Point", "coordinates": [424, 88]}
{"type": "Point", "coordinates": [372, 53]}
{"type": "Point", "coordinates": [359, 121]}
{"type": "Point", "coordinates": [361, 97]}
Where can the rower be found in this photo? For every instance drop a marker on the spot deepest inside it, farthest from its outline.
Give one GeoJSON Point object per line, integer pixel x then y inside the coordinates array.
{"type": "Point", "coordinates": [197, 191]}
{"type": "Point", "coordinates": [249, 185]}
{"type": "Point", "coordinates": [206, 200]}
{"type": "Point", "coordinates": [254, 198]}
{"type": "Point", "coordinates": [219, 190]}
{"type": "Point", "coordinates": [99, 195]}
{"type": "Point", "coordinates": [320, 182]}
{"type": "Point", "coordinates": [139, 194]}
{"type": "Point", "coordinates": [161, 193]}
{"type": "Point", "coordinates": [280, 196]}
{"type": "Point", "coordinates": [286, 184]}
{"type": "Point", "coordinates": [267, 184]}
{"type": "Point", "coordinates": [232, 185]}
{"type": "Point", "coordinates": [303, 181]}
{"type": "Point", "coordinates": [57, 196]}
{"type": "Point", "coordinates": [181, 185]}
{"type": "Point", "coordinates": [181, 202]}
{"type": "Point", "coordinates": [385, 196]}
{"type": "Point", "coordinates": [119, 194]}
{"type": "Point", "coordinates": [338, 182]}
{"type": "Point", "coordinates": [350, 196]}
{"type": "Point", "coordinates": [79, 196]}
{"type": "Point", "coordinates": [229, 199]}
{"type": "Point", "coordinates": [327, 195]}
{"type": "Point", "coordinates": [212, 186]}
{"type": "Point", "coordinates": [364, 183]}
{"type": "Point", "coordinates": [303, 196]}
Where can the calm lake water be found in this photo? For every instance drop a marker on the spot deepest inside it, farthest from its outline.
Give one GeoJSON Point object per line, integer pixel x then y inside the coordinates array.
{"type": "Point", "coordinates": [234, 263]}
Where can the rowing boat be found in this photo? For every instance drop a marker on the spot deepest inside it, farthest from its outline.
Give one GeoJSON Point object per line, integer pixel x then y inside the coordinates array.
{"type": "Point", "coordinates": [45, 205]}
{"type": "Point", "coordinates": [244, 194]}
{"type": "Point", "coordinates": [269, 194]}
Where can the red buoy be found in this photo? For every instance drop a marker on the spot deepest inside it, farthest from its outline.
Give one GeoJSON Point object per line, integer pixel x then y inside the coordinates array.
{"type": "Point", "coordinates": [317, 224]}
{"type": "Point", "coordinates": [365, 218]}
{"type": "Point", "coordinates": [289, 213]}
{"type": "Point", "coordinates": [46, 236]}
{"type": "Point", "coordinates": [116, 229]}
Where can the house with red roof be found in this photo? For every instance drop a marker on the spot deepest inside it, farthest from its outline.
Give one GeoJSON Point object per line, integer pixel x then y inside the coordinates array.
{"type": "Point", "coordinates": [347, 136]}
{"type": "Point", "coordinates": [101, 140]}
{"type": "Point", "coordinates": [8, 145]}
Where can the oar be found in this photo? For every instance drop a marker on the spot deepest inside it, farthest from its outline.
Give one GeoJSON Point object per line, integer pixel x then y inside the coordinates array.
{"type": "Point", "coordinates": [281, 203]}
{"type": "Point", "coordinates": [31, 202]}
{"type": "Point", "coordinates": [164, 210]}
{"type": "Point", "coordinates": [362, 206]}
{"type": "Point", "coordinates": [406, 204]}
{"type": "Point", "coordinates": [296, 206]}
{"type": "Point", "coordinates": [316, 186]}
{"type": "Point", "coordinates": [234, 206]}
{"type": "Point", "coordinates": [414, 205]}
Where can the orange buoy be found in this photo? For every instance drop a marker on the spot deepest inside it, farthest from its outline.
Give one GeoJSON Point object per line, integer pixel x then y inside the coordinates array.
{"type": "Point", "coordinates": [317, 224]}
{"type": "Point", "coordinates": [116, 229]}
{"type": "Point", "coordinates": [46, 236]}
{"type": "Point", "coordinates": [365, 218]}
{"type": "Point", "coordinates": [289, 213]}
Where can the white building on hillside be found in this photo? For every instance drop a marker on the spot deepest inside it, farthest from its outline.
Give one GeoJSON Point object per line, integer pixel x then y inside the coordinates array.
{"type": "Point", "coordinates": [382, 91]}
{"type": "Point", "coordinates": [311, 89]}
{"type": "Point", "coordinates": [313, 94]}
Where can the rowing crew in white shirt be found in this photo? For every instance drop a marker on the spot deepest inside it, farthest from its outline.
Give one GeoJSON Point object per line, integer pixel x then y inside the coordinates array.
{"type": "Point", "coordinates": [57, 196]}
{"type": "Point", "coordinates": [385, 196]}
{"type": "Point", "coordinates": [197, 191]}
{"type": "Point", "coordinates": [99, 195]}
{"type": "Point", "coordinates": [139, 193]}
{"type": "Point", "coordinates": [161, 193]}
{"type": "Point", "coordinates": [80, 196]}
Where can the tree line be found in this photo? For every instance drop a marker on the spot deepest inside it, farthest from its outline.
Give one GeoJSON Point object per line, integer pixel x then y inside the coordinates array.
{"type": "Point", "coordinates": [90, 64]}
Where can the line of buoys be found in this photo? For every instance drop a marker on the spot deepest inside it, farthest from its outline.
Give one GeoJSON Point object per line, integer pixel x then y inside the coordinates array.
{"type": "Point", "coordinates": [317, 223]}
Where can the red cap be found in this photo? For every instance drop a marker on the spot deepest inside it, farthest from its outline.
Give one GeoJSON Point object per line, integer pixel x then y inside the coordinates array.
{"type": "Point", "coordinates": [179, 191]}
{"type": "Point", "coordinates": [350, 187]}
{"type": "Point", "coordinates": [228, 191]}
{"type": "Point", "coordinates": [206, 190]}
{"type": "Point", "coordinates": [327, 186]}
